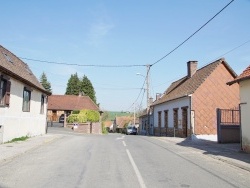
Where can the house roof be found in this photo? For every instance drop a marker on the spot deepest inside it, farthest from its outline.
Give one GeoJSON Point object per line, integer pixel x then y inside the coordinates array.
{"type": "Point", "coordinates": [243, 76]}
{"type": "Point", "coordinates": [108, 123]}
{"type": "Point", "coordinates": [143, 113]}
{"type": "Point", "coordinates": [71, 102]}
{"type": "Point", "coordinates": [12, 66]}
{"type": "Point", "coordinates": [188, 85]}
{"type": "Point", "coordinates": [123, 120]}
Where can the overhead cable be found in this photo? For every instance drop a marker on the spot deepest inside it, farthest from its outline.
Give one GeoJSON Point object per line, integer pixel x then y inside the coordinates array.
{"type": "Point", "coordinates": [80, 65]}
{"type": "Point", "coordinates": [192, 34]}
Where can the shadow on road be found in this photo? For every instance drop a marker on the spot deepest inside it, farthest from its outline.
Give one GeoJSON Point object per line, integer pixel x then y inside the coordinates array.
{"type": "Point", "coordinates": [230, 150]}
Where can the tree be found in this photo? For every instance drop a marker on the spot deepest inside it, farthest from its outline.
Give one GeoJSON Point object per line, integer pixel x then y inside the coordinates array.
{"type": "Point", "coordinates": [45, 83]}
{"type": "Point", "coordinates": [87, 88]}
{"type": "Point", "coordinates": [73, 85]}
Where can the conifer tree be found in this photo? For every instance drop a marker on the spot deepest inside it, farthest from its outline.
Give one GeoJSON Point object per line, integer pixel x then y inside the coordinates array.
{"type": "Point", "coordinates": [73, 85]}
{"type": "Point", "coordinates": [45, 83]}
{"type": "Point", "coordinates": [87, 88]}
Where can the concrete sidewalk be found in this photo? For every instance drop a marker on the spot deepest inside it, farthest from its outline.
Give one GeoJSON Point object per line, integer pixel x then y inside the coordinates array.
{"type": "Point", "coordinates": [14, 149]}
{"type": "Point", "coordinates": [228, 153]}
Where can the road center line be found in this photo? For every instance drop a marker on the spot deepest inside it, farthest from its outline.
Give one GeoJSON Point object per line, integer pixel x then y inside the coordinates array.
{"type": "Point", "coordinates": [137, 172]}
{"type": "Point", "coordinates": [124, 143]}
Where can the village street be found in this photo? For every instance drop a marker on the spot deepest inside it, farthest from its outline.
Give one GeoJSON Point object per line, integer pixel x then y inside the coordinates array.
{"type": "Point", "coordinates": [116, 160]}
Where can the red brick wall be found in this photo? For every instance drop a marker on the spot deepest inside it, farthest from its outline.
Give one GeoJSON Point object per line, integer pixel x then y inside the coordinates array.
{"type": "Point", "coordinates": [212, 94]}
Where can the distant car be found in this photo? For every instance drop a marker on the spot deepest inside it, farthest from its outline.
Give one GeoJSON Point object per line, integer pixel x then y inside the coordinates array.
{"type": "Point", "coordinates": [131, 130]}
{"type": "Point", "coordinates": [61, 118]}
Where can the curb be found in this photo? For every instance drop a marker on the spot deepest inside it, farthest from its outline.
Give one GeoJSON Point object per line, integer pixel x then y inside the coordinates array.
{"type": "Point", "coordinates": [233, 162]}
{"type": "Point", "coordinates": [40, 143]}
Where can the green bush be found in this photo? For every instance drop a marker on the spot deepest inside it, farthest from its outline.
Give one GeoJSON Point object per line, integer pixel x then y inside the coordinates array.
{"type": "Point", "coordinates": [84, 116]}
{"type": "Point", "coordinates": [72, 118]}
{"type": "Point", "coordinates": [75, 111]}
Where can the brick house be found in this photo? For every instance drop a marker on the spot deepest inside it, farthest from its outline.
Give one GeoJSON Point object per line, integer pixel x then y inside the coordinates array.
{"type": "Point", "coordinates": [188, 106]}
{"type": "Point", "coordinates": [23, 105]}
{"type": "Point", "coordinates": [65, 104]}
{"type": "Point", "coordinates": [244, 82]}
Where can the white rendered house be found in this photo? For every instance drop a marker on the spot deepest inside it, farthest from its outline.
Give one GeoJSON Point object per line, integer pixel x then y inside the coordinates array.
{"type": "Point", "coordinates": [23, 100]}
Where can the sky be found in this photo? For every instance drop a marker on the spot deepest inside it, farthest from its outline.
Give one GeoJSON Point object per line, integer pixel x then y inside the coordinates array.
{"type": "Point", "coordinates": [118, 38]}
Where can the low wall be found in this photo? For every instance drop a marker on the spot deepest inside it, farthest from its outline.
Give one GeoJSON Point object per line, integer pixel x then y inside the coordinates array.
{"type": "Point", "coordinates": [88, 128]}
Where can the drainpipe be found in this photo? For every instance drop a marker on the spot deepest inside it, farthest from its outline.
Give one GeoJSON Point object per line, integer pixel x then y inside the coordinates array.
{"type": "Point", "coordinates": [191, 123]}
{"type": "Point", "coordinates": [240, 125]}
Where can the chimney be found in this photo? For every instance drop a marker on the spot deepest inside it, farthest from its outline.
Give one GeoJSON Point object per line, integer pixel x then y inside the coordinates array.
{"type": "Point", "coordinates": [158, 96]}
{"type": "Point", "coordinates": [191, 68]}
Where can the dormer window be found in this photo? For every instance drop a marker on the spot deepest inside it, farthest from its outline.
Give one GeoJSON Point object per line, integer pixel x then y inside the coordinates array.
{"type": "Point", "coordinates": [8, 58]}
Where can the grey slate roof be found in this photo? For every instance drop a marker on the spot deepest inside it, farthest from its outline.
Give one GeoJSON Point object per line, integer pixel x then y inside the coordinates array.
{"type": "Point", "coordinates": [188, 85]}
{"type": "Point", "coordinates": [13, 66]}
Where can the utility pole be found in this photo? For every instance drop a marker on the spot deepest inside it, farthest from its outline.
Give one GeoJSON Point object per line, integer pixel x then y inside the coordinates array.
{"type": "Point", "coordinates": [134, 114]}
{"type": "Point", "coordinates": [148, 105]}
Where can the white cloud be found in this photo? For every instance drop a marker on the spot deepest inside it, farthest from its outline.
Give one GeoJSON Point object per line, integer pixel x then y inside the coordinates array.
{"type": "Point", "coordinates": [100, 27]}
{"type": "Point", "coordinates": [98, 31]}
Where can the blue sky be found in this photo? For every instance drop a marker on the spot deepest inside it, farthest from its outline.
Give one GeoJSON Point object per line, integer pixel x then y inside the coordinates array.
{"type": "Point", "coordinates": [109, 32]}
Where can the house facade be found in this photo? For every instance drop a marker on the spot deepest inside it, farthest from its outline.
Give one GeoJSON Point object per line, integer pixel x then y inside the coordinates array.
{"type": "Point", "coordinates": [188, 106]}
{"type": "Point", "coordinates": [244, 82]}
{"type": "Point", "coordinates": [146, 123]}
{"type": "Point", "coordinates": [23, 100]}
{"type": "Point", "coordinates": [121, 122]}
{"type": "Point", "coordinates": [65, 104]}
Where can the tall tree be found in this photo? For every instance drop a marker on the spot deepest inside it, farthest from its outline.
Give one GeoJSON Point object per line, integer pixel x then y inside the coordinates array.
{"type": "Point", "coordinates": [73, 85]}
{"type": "Point", "coordinates": [45, 83]}
{"type": "Point", "coordinates": [87, 88]}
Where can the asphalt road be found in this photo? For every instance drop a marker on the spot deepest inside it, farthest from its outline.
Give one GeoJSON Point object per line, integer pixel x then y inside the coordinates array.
{"type": "Point", "coordinates": [115, 160]}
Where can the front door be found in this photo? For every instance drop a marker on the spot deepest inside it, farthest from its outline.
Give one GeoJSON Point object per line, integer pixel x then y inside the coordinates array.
{"type": "Point", "coordinates": [184, 122]}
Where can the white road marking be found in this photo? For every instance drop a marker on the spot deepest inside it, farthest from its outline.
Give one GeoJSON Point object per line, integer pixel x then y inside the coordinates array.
{"type": "Point", "coordinates": [137, 172]}
{"type": "Point", "coordinates": [119, 138]}
{"type": "Point", "coordinates": [124, 143]}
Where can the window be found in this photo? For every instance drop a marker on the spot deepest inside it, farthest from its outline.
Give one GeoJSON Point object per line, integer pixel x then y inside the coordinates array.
{"type": "Point", "coordinates": [176, 118]}
{"type": "Point", "coordinates": [159, 119]}
{"type": "Point", "coordinates": [42, 104]}
{"type": "Point", "coordinates": [166, 118]}
{"type": "Point", "coordinates": [26, 100]}
{"type": "Point", "coordinates": [4, 92]}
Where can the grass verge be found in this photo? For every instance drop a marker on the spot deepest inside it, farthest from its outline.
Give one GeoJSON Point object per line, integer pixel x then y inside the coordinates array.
{"type": "Point", "coordinates": [23, 138]}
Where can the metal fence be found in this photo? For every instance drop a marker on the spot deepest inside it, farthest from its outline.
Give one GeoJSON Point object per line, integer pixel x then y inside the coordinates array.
{"type": "Point", "coordinates": [229, 117]}
{"type": "Point", "coordinates": [228, 125]}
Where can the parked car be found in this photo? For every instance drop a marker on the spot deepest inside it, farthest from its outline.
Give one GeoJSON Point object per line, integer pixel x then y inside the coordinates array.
{"type": "Point", "coordinates": [61, 118]}
{"type": "Point", "coordinates": [131, 130]}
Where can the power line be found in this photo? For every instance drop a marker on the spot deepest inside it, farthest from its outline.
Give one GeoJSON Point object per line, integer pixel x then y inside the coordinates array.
{"type": "Point", "coordinates": [235, 48]}
{"type": "Point", "coordinates": [142, 88]}
{"type": "Point", "coordinates": [180, 76]}
{"type": "Point", "coordinates": [192, 34]}
{"type": "Point", "coordinates": [80, 65]}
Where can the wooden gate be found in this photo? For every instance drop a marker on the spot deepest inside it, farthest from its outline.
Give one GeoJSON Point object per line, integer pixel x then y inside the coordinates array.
{"type": "Point", "coordinates": [228, 125]}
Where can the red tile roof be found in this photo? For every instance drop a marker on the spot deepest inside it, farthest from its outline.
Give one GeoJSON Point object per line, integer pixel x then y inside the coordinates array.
{"type": "Point", "coordinates": [107, 123]}
{"type": "Point", "coordinates": [188, 85]}
{"type": "Point", "coordinates": [121, 121]}
{"type": "Point", "coordinates": [243, 76]}
{"type": "Point", "coordinates": [71, 102]}
{"type": "Point", "coordinates": [16, 68]}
